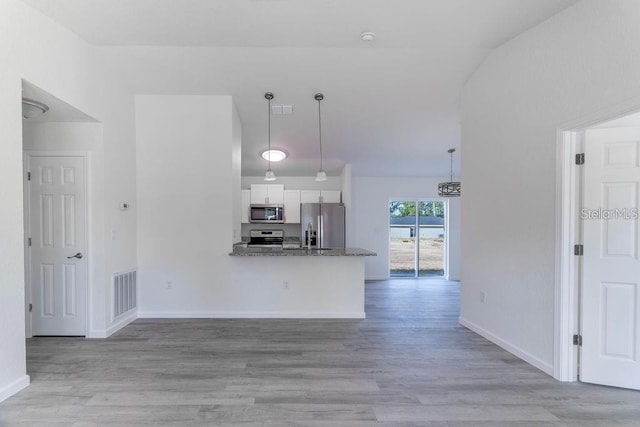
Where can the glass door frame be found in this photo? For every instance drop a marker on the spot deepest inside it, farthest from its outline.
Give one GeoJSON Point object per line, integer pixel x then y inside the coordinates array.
{"type": "Point", "coordinates": [416, 268]}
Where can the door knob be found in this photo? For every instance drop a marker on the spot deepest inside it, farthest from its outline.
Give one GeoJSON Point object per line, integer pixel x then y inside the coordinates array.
{"type": "Point", "coordinates": [78, 255]}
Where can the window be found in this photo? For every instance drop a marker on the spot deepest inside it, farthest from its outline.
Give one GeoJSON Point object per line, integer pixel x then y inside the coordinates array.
{"type": "Point", "coordinates": [417, 238]}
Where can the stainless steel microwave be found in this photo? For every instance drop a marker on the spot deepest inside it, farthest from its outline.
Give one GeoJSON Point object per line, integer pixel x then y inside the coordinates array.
{"type": "Point", "coordinates": [270, 214]}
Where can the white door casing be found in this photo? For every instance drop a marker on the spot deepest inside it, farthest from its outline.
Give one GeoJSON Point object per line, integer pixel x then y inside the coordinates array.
{"type": "Point", "coordinates": [610, 317]}
{"type": "Point", "coordinates": [57, 228]}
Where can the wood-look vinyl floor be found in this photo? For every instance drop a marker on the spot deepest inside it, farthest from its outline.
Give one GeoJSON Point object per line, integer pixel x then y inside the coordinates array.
{"type": "Point", "coordinates": [408, 364]}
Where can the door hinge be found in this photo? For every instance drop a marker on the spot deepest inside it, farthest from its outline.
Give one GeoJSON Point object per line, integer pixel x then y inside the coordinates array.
{"type": "Point", "coordinates": [577, 340]}
{"type": "Point", "coordinates": [28, 176]}
{"type": "Point", "coordinates": [580, 159]}
{"type": "Point", "coordinates": [29, 241]}
{"type": "Point", "coordinates": [30, 307]}
{"type": "Point", "coordinates": [578, 250]}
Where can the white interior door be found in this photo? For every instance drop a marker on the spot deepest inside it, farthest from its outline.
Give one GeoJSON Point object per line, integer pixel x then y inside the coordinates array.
{"type": "Point", "coordinates": [611, 269]}
{"type": "Point", "coordinates": [57, 227]}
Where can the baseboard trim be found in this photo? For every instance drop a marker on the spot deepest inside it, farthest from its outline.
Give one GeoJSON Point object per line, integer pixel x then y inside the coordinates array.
{"type": "Point", "coordinates": [376, 278]}
{"type": "Point", "coordinates": [14, 387]}
{"type": "Point", "coordinates": [511, 348]}
{"type": "Point", "coordinates": [97, 333]}
{"type": "Point", "coordinates": [122, 323]}
{"type": "Point", "coordinates": [249, 315]}
{"type": "Point", "coordinates": [105, 333]}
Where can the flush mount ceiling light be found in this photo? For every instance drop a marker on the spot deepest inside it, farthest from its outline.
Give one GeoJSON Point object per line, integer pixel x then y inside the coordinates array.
{"type": "Point", "coordinates": [451, 188]}
{"type": "Point", "coordinates": [274, 155]}
{"type": "Point", "coordinates": [321, 175]}
{"type": "Point", "coordinates": [31, 108]}
{"type": "Point", "coordinates": [269, 175]}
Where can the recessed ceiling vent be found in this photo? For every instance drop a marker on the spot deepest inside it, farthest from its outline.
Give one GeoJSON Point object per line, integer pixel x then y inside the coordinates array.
{"type": "Point", "coordinates": [281, 110]}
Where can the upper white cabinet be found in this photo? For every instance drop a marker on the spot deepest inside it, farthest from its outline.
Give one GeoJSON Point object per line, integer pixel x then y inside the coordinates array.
{"type": "Point", "coordinates": [246, 201]}
{"type": "Point", "coordinates": [309, 196]}
{"type": "Point", "coordinates": [275, 194]}
{"type": "Point", "coordinates": [330, 196]}
{"type": "Point", "coordinates": [259, 194]}
{"type": "Point", "coordinates": [271, 194]}
{"type": "Point", "coordinates": [292, 206]}
{"type": "Point", "coordinates": [313, 196]}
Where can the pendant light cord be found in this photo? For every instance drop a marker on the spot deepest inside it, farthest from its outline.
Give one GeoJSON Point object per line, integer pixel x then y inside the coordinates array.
{"type": "Point", "coordinates": [451, 168]}
{"type": "Point", "coordinates": [320, 132]}
{"type": "Point", "coordinates": [269, 131]}
{"type": "Point", "coordinates": [269, 175]}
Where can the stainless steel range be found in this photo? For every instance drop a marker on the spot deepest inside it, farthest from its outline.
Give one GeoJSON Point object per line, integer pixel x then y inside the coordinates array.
{"type": "Point", "coordinates": [266, 239]}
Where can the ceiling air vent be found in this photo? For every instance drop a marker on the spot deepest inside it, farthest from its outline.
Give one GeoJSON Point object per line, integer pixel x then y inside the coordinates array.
{"type": "Point", "coordinates": [281, 110]}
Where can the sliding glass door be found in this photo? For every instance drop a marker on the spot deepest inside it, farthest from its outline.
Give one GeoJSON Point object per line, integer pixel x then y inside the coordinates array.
{"type": "Point", "coordinates": [402, 238]}
{"type": "Point", "coordinates": [417, 238]}
{"type": "Point", "coordinates": [431, 254]}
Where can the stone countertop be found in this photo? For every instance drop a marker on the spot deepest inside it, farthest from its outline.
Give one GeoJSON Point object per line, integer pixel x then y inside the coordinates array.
{"type": "Point", "coordinates": [239, 250]}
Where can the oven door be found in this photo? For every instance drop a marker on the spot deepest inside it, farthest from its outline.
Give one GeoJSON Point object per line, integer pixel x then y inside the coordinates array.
{"type": "Point", "coordinates": [273, 214]}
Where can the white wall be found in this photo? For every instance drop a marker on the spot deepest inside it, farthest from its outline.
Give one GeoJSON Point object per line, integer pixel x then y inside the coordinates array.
{"type": "Point", "coordinates": [236, 171]}
{"type": "Point", "coordinates": [186, 183]}
{"type": "Point", "coordinates": [346, 179]}
{"type": "Point", "coordinates": [185, 191]}
{"type": "Point", "coordinates": [370, 213]}
{"type": "Point", "coordinates": [581, 61]}
{"type": "Point", "coordinates": [57, 61]}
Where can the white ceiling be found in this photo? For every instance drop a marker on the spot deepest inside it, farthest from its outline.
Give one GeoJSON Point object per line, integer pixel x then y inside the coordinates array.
{"type": "Point", "coordinates": [391, 106]}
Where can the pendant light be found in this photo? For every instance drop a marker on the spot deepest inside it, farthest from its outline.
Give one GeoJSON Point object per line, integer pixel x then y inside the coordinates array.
{"type": "Point", "coordinates": [321, 175]}
{"type": "Point", "coordinates": [451, 188]}
{"type": "Point", "coordinates": [269, 175]}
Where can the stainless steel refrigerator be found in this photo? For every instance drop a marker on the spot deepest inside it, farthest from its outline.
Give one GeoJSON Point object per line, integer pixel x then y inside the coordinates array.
{"type": "Point", "coordinates": [324, 223]}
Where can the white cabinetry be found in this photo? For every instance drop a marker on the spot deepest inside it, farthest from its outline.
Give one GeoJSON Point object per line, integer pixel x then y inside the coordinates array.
{"type": "Point", "coordinates": [258, 194]}
{"type": "Point", "coordinates": [330, 196]}
{"type": "Point", "coordinates": [275, 194]}
{"type": "Point", "coordinates": [313, 196]}
{"type": "Point", "coordinates": [246, 201]}
{"type": "Point", "coordinates": [309, 196]}
{"type": "Point", "coordinates": [292, 206]}
{"type": "Point", "coordinates": [272, 194]}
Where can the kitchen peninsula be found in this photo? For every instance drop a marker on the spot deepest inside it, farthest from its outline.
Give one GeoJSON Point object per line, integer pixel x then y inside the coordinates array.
{"type": "Point", "coordinates": [291, 260]}
{"type": "Point", "coordinates": [307, 283]}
